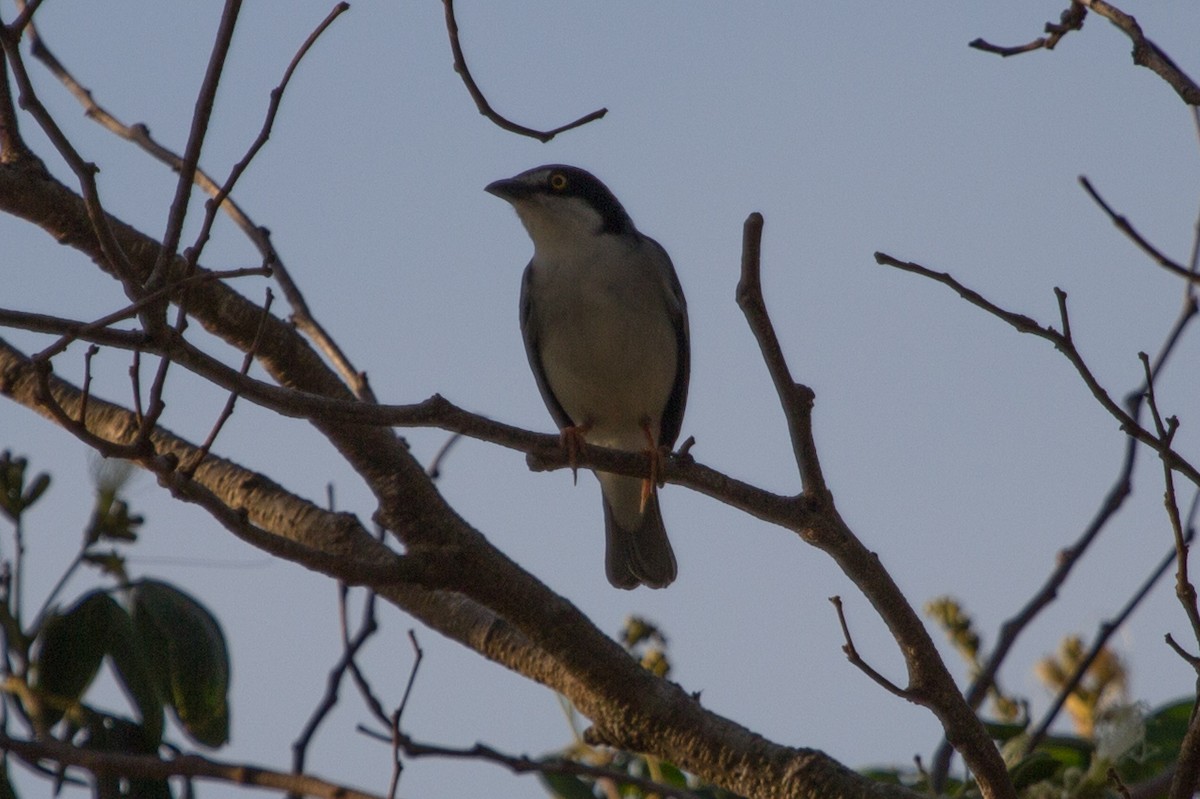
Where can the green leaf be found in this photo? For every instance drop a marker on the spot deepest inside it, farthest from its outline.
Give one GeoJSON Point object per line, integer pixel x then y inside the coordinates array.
{"type": "Point", "coordinates": [36, 489]}
{"type": "Point", "coordinates": [1165, 729]}
{"type": "Point", "coordinates": [1166, 726]}
{"type": "Point", "coordinates": [188, 658]}
{"type": "Point", "coordinates": [671, 775]}
{"type": "Point", "coordinates": [70, 649]}
{"type": "Point", "coordinates": [150, 789]}
{"type": "Point", "coordinates": [1003, 731]}
{"type": "Point", "coordinates": [566, 786]}
{"type": "Point", "coordinates": [1036, 767]}
{"type": "Point", "coordinates": [130, 663]}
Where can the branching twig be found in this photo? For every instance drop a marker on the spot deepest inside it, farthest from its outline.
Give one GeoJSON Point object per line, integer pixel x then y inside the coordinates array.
{"type": "Point", "coordinates": [114, 257]}
{"type": "Point", "coordinates": [1027, 325]}
{"type": "Point", "coordinates": [333, 683]}
{"type": "Point", "coordinates": [855, 659]}
{"type": "Point", "coordinates": [523, 764]}
{"type": "Point", "coordinates": [100, 326]}
{"type": "Point", "coordinates": [394, 722]}
{"type": "Point", "coordinates": [259, 236]}
{"type": "Point", "coordinates": [485, 108]}
{"type": "Point", "coordinates": [1146, 53]}
{"type": "Point", "coordinates": [1070, 20]}
{"type": "Point", "coordinates": [188, 469]}
{"type": "Point", "coordinates": [195, 142]}
{"type": "Point", "coordinates": [1106, 630]}
{"type": "Point", "coordinates": [1120, 490]}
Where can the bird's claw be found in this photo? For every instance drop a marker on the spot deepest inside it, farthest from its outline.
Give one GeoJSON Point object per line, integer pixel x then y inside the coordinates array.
{"type": "Point", "coordinates": [572, 440]}
{"type": "Point", "coordinates": [654, 479]}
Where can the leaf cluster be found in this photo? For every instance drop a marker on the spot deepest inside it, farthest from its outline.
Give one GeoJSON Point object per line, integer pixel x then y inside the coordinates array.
{"type": "Point", "coordinates": [165, 649]}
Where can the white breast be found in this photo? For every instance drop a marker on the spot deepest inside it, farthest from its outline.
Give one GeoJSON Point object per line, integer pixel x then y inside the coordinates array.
{"type": "Point", "coordinates": [606, 339]}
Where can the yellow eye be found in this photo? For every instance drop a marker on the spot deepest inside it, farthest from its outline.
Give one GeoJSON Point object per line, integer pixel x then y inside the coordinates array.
{"type": "Point", "coordinates": [558, 181]}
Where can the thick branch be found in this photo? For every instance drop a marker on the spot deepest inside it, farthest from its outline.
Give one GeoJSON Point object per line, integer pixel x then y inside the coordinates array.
{"type": "Point", "coordinates": [116, 764]}
{"type": "Point", "coordinates": [1146, 53]}
{"type": "Point", "coordinates": [555, 645]}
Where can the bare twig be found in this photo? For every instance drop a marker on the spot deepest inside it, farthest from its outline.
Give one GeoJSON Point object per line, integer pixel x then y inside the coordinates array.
{"type": "Point", "coordinates": [100, 327]}
{"type": "Point", "coordinates": [190, 766]}
{"type": "Point", "coordinates": [350, 649]}
{"type": "Point", "coordinates": [1105, 632]}
{"type": "Point", "coordinates": [855, 659]}
{"type": "Point", "coordinates": [1120, 490]}
{"type": "Point", "coordinates": [796, 399]}
{"type": "Point", "coordinates": [189, 468]}
{"type": "Point", "coordinates": [1025, 324]}
{"type": "Point", "coordinates": [435, 467]}
{"type": "Point", "coordinates": [418, 656]}
{"type": "Point", "coordinates": [397, 736]}
{"type": "Point", "coordinates": [114, 257]}
{"type": "Point", "coordinates": [261, 238]}
{"type": "Point", "coordinates": [523, 764]}
{"type": "Point", "coordinates": [25, 17]}
{"type": "Point", "coordinates": [1070, 20]}
{"type": "Point", "coordinates": [195, 142]}
{"type": "Point", "coordinates": [12, 146]}
{"type": "Point", "coordinates": [87, 383]}
{"type": "Point", "coordinates": [1146, 53]}
{"type": "Point", "coordinates": [1125, 227]}
{"type": "Point", "coordinates": [481, 102]}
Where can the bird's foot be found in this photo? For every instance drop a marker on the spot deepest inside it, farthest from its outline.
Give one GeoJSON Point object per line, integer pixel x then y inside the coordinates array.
{"type": "Point", "coordinates": [572, 440]}
{"type": "Point", "coordinates": [656, 454]}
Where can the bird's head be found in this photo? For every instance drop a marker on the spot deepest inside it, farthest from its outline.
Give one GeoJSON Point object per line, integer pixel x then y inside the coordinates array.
{"type": "Point", "coordinates": [560, 204]}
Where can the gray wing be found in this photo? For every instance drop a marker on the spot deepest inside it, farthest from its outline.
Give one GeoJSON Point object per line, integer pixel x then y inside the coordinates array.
{"type": "Point", "coordinates": [533, 352]}
{"type": "Point", "coordinates": [672, 415]}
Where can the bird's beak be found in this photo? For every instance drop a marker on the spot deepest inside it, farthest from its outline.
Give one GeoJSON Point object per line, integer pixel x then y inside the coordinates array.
{"type": "Point", "coordinates": [508, 189]}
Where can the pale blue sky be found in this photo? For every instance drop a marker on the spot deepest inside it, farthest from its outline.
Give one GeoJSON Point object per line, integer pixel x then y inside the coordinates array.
{"type": "Point", "coordinates": [965, 454]}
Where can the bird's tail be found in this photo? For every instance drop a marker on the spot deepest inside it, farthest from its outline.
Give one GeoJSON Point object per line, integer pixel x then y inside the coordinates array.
{"type": "Point", "coordinates": [637, 551]}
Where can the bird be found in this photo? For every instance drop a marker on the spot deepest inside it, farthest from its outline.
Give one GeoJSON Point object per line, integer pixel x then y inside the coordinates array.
{"type": "Point", "coordinates": [605, 327]}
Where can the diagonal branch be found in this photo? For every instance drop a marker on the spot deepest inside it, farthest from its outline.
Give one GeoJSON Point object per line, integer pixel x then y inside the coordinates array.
{"type": "Point", "coordinates": [1066, 346]}
{"type": "Point", "coordinates": [1146, 53]}
{"type": "Point", "coordinates": [1125, 227]}
{"type": "Point", "coordinates": [259, 236]}
{"type": "Point", "coordinates": [1120, 490]}
{"type": "Point", "coordinates": [191, 152]}
{"type": "Point", "coordinates": [1106, 631]}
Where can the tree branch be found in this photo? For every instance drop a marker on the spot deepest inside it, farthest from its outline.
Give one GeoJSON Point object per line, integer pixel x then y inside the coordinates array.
{"type": "Point", "coordinates": [1146, 53]}
{"type": "Point", "coordinates": [1120, 490]}
{"type": "Point", "coordinates": [148, 767]}
{"type": "Point", "coordinates": [1070, 20]}
{"type": "Point", "coordinates": [191, 152]}
{"type": "Point", "coordinates": [485, 108]}
{"type": "Point", "coordinates": [1125, 227]}
{"type": "Point", "coordinates": [796, 399]}
{"type": "Point", "coordinates": [1064, 345]}
{"type": "Point", "coordinates": [259, 236]}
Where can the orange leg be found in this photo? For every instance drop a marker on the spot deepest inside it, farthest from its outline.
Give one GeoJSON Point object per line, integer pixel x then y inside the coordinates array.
{"type": "Point", "coordinates": [655, 455]}
{"type": "Point", "coordinates": [571, 439]}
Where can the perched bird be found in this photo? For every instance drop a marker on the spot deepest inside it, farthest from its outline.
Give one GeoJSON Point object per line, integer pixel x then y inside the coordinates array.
{"type": "Point", "coordinates": [606, 331]}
